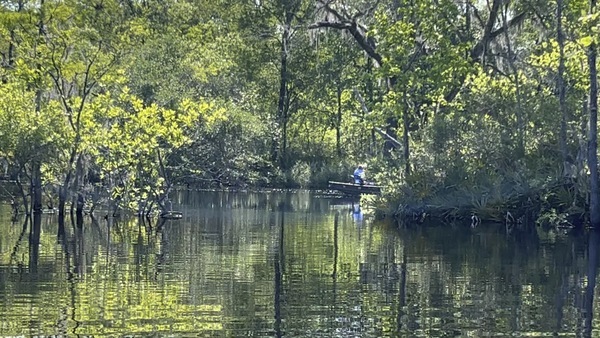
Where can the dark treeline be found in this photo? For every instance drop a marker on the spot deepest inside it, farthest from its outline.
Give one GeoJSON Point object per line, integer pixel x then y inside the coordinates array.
{"type": "Point", "coordinates": [460, 108]}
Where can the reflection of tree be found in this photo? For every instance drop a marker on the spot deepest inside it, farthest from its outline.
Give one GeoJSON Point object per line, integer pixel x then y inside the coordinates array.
{"type": "Point", "coordinates": [34, 241]}
{"type": "Point", "coordinates": [109, 296]}
{"type": "Point", "coordinates": [401, 292]}
{"type": "Point", "coordinates": [294, 273]}
{"type": "Point", "coordinates": [500, 282]}
{"type": "Point", "coordinates": [71, 252]}
{"type": "Point", "coordinates": [334, 274]}
{"type": "Point", "coordinates": [278, 263]}
{"type": "Point", "coordinates": [592, 270]}
{"type": "Point", "coordinates": [163, 252]}
{"type": "Point", "coordinates": [13, 255]}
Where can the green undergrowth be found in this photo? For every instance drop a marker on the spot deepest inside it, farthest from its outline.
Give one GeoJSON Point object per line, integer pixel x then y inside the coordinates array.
{"type": "Point", "coordinates": [514, 200]}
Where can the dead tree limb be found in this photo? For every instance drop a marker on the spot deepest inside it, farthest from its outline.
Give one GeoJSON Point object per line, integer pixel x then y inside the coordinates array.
{"type": "Point", "coordinates": [376, 129]}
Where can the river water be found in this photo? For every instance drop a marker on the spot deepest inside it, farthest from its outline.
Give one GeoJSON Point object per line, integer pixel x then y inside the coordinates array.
{"type": "Point", "coordinates": [293, 265]}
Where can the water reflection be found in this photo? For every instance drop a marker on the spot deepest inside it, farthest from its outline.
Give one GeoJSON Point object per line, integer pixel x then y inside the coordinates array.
{"type": "Point", "coordinates": [592, 272]}
{"type": "Point", "coordinates": [290, 264]}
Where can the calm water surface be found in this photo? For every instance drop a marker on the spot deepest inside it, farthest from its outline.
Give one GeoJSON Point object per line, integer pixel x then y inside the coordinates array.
{"type": "Point", "coordinates": [294, 265]}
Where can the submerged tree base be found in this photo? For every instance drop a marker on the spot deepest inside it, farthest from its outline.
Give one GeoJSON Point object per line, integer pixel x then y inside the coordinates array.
{"type": "Point", "coordinates": [559, 205]}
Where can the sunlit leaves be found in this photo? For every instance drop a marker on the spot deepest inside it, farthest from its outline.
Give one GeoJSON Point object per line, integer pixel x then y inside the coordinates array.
{"type": "Point", "coordinates": [131, 138]}
{"type": "Point", "coordinates": [590, 28]}
{"type": "Point", "coordinates": [208, 112]}
{"type": "Point", "coordinates": [586, 41]}
{"type": "Point", "coordinates": [25, 134]}
{"type": "Point", "coordinates": [544, 59]}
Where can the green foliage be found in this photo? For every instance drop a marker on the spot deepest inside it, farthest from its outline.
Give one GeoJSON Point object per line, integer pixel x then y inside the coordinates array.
{"type": "Point", "coordinates": [150, 94]}
{"type": "Point", "coordinates": [133, 140]}
{"type": "Point", "coordinates": [24, 134]}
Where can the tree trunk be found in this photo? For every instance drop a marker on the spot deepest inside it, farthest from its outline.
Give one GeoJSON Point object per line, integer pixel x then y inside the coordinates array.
{"type": "Point", "coordinates": [10, 55]}
{"type": "Point", "coordinates": [405, 137]}
{"type": "Point", "coordinates": [561, 82]}
{"type": "Point", "coordinates": [593, 132]}
{"type": "Point", "coordinates": [162, 199]}
{"type": "Point", "coordinates": [281, 106]}
{"type": "Point", "coordinates": [36, 170]}
{"type": "Point", "coordinates": [467, 28]}
{"type": "Point", "coordinates": [78, 186]}
{"type": "Point", "coordinates": [371, 149]}
{"type": "Point", "coordinates": [517, 82]}
{"type": "Point", "coordinates": [338, 125]}
{"type": "Point", "coordinates": [582, 152]}
{"type": "Point", "coordinates": [62, 200]}
{"type": "Point", "coordinates": [26, 204]}
{"type": "Point", "coordinates": [36, 187]}
{"type": "Point", "coordinates": [391, 123]}
{"type": "Point", "coordinates": [63, 192]}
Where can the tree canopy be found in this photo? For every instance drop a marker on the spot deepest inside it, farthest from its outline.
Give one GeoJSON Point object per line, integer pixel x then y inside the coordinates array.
{"type": "Point", "coordinates": [480, 107]}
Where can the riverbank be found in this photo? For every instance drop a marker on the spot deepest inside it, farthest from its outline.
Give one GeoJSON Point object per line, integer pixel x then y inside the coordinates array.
{"type": "Point", "coordinates": [552, 205]}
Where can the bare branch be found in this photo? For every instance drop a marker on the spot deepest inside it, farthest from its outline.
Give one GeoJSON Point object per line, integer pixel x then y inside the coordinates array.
{"type": "Point", "coordinates": [479, 49]}
{"type": "Point", "coordinates": [481, 46]}
{"type": "Point", "coordinates": [377, 129]}
{"type": "Point", "coordinates": [371, 9]}
{"type": "Point", "coordinates": [327, 24]}
{"type": "Point", "coordinates": [511, 23]}
{"type": "Point", "coordinates": [360, 99]}
{"type": "Point", "coordinates": [365, 43]}
{"type": "Point", "coordinates": [388, 137]}
{"type": "Point", "coordinates": [333, 12]}
{"type": "Point", "coordinates": [476, 14]}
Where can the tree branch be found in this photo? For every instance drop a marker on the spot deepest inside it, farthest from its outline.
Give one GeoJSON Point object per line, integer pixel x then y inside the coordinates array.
{"type": "Point", "coordinates": [360, 99]}
{"type": "Point", "coordinates": [332, 11]}
{"type": "Point", "coordinates": [352, 27]}
{"type": "Point", "coordinates": [480, 47]}
{"type": "Point", "coordinates": [478, 50]}
{"type": "Point", "coordinates": [511, 23]}
{"type": "Point", "coordinates": [328, 24]}
{"type": "Point", "coordinates": [376, 129]}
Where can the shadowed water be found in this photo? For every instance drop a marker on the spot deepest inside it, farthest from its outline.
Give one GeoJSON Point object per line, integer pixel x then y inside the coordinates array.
{"type": "Point", "coordinates": [294, 265]}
